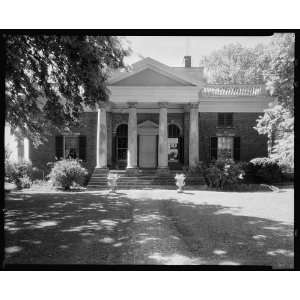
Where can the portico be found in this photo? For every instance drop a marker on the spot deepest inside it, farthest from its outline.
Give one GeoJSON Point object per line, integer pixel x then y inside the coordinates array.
{"type": "Point", "coordinates": [151, 142]}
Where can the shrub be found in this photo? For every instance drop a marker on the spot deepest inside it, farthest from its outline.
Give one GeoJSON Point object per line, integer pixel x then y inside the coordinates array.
{"type": "Point", "coordinates": [19, 173]}
{"type": "Point", "coordinates": [223, 174]}
{"type": "Point", "coordinates": [263, 170]}
{"type": "Point", "coordinates": [198, 169]}
{"type": "Point", "coordinates": [67, 172]}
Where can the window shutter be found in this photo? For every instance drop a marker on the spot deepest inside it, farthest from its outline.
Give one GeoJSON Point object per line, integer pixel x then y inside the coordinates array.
{"type": "Point", "coordinates": [213, 148]}
{"type": "Point", "coordinates": [82, 147]}
{"type": "Point", "coordinates": [59, 146]}
{"type": "Point", "coordinates": [181, 154]}
{"type": "Point", "coordinates": [138, 150]}
{"type": "Point", "coordinates": [236, 148]}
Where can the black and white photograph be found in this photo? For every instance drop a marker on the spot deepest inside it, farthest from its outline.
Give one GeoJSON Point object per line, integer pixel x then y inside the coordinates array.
{"type": "Point", "coordinates": [149, 150]}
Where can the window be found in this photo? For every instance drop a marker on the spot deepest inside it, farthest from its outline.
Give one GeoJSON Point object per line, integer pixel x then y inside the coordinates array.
{"type": "Point", "coordinates": [173, 143]}
{"type": "Point", "coordinates": [122, 142]}
{"type": "Point", "coordinates": [70, 146]}
{"type": "Point", "coordinates": [225, 119]}
{"type": "Point", "coordinates": [225, 147]}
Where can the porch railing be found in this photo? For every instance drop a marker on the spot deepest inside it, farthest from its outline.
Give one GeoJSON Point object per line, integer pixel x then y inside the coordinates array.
{"type": "Point", "coordinates": [223, 90]}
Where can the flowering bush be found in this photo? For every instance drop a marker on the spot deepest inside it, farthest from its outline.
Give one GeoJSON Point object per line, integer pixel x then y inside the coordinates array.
{"type": "Point", "coordinates": [223, 174]}
{"type": "Point", "coordinates": [19, 173]}
{"type": "Point", "coordinates": [66, 173]}
{"type": "Point", "coordinates": [263, 170]}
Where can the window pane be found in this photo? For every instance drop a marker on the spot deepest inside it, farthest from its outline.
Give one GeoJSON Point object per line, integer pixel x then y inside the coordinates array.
{"type": "Point", "coordinates": [225, 147]}
{"type": "Point", "coordinates": [173, 149]}
{"type": "Point", "coordinates": [122, 154]}
{"type": "Point", "coordinates": [221, 119]}
{"type": "Point", "coordinates": [122, 142]}
{"type": "Point", "coordinates": [229, 119]}
{"type": "Point", "coordinates": [71, 147]}
{"type": "Point", "coordinates": [173, 131]}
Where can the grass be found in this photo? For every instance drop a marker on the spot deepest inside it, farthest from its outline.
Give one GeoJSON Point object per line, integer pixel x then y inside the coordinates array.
{"type": "Point", "coordinates": [149, 227]}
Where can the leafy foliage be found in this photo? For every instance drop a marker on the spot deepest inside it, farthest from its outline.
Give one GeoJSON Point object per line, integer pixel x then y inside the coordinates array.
{"type": "Point", "coordinates": [67, 172]}
{"type": "Point", "coordinates": [223, 174]}
{"type": "Point", "coordinates": [235, 64]}
{"type": "Point", "coordinates": [279, 75]}
{"type": "Point", "coordinates": [51, 78]}
{"type": "Point", "coordinates": [278, 124]}
{"type": "Point", "coordinates": [272, 64]}
{"type": "Point", "coordinates": [19, 173]}
{"type": "Point", "coordinates": [263, 170]}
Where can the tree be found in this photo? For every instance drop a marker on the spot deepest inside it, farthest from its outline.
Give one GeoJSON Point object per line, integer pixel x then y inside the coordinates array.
{"type": "Point", "coordinates": [273, 65]}
{"type": "Point", "coordinates": [279, 75]}
{"type": "Point", "coordinates": [51, 78]}
{"type": "Point", "coordinates": [235, 64]}
{"type": "Point", "coordinates": [278, 122]}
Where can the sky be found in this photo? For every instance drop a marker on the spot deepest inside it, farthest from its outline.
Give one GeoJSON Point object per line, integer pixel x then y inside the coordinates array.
{"type": "Point", "coordinates": [170, 50]}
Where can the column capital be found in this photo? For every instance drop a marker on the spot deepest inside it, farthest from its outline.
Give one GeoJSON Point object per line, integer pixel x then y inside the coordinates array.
{"type": "Point", "coordinates": [163, 104]}
{"type": "Point", "coordinates": [193, 105]}
{"type": "Point", "coordinates": [102, 105]}
{"type": "Point", "coordinates": [131, 104]}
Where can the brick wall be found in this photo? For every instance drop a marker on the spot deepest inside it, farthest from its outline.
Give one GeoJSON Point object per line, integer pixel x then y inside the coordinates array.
{"type": "Point", "coordinates": [46, 152]}
{"type": "Point", "coordinates": [252, 144]}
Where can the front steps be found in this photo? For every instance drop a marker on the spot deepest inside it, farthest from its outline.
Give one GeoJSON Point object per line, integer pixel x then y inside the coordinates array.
{"type": "Point", "coordinates": [146, 178]}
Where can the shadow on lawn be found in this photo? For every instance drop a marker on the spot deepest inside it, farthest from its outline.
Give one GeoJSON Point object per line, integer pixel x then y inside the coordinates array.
{"type": "Point", "coordinates": [98, 228]}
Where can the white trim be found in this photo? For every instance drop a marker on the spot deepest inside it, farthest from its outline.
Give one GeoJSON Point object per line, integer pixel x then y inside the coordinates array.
{"type": "Point", "coordinates": [147, 128]}
{"type": "Point", "coordinates": [147, 110]}
{"type": "Point", "coordinates": [239, 104]}
{"type": "Point", "coordinates": [26, 149]}
{"type": "Point", "coordinates": [151, 95]}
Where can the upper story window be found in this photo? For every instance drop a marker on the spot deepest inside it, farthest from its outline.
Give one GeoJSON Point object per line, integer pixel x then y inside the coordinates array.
{"type": "Point", "coordinates": [225, 119]}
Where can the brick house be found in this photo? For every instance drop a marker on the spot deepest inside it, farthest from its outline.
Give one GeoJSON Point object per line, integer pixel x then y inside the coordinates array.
{"type": "Point", "coordinates": [162, 117]}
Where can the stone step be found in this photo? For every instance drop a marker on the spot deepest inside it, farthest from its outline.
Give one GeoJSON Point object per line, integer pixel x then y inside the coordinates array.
{"type": "Point", "coordinates": [169, 187]}
{"type": "Point", "coordinates": [149, 178]}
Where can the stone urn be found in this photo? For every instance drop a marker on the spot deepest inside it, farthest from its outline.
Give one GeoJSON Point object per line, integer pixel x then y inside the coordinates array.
{"type": "Point", "coordinates": [180, 178]}
{"type": "Point", "coordinates": [112, 181]}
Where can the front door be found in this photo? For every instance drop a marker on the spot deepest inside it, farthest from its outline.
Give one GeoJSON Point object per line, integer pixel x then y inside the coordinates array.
{"type": "Point", "coordinates": [147, 151]}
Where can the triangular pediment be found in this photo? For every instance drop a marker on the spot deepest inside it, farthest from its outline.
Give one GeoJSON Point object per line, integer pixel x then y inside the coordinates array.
{"type": "Point", "coordinates": [149, 77]}
{"type": "Point", "coordinates": [149, 72]}
{"type": "Point", "coordinates": [147, 124]}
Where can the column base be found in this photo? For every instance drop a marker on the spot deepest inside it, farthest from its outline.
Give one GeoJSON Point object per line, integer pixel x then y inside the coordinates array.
{"type": "Point", "coordinates": [102, 168]}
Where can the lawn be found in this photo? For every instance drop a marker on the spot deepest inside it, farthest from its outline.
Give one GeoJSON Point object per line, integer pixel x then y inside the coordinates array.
{"type": "Point", "coordinates": [150, 227]}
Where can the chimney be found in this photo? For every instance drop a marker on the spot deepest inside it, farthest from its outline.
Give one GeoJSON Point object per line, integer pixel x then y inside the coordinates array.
{"type": "Point", "coordinates": [187, 61]}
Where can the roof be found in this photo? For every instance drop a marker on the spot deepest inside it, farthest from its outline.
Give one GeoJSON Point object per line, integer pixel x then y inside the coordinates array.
{"type": "Point", "coordinates": [191, 76]}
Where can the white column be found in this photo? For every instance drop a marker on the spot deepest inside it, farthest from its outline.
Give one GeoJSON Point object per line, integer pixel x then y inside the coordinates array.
{"type": "Point", "coordinates": [163, 137]}
{"type": "Point", "coordinates": [194, 136]}
{"type": "Point", "coordinates": [20, 149]}
{"type": "Point", "coordinates": [26, 149]}
{"type": "Point", "coordinates": [101, 138]}
{"type": "Point", "coordinates": [132, 137]}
